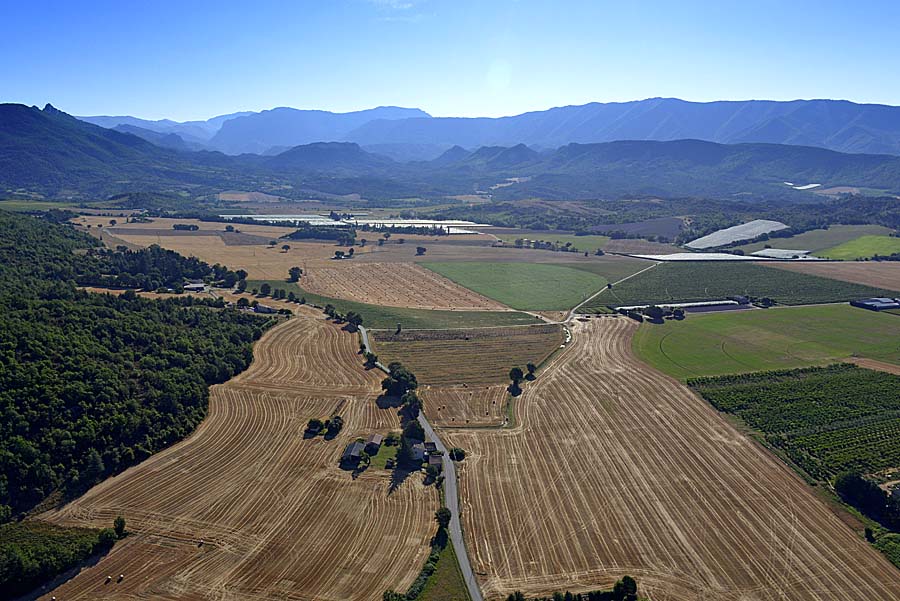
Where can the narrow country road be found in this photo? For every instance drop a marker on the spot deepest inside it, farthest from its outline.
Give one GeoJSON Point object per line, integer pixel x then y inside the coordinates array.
{"type": "Point", "coordinates": [451, 494]}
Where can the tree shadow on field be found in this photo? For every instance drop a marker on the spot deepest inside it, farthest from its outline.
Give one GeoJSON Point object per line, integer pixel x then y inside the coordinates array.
{"type": "Point", "coordinates": [387, 402]}
{"type": "Point", "coordinates": [399, 475]}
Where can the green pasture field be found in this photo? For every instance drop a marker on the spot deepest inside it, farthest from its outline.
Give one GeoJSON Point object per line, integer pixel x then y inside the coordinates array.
{"type": "Point", "coordinates": [862, 248]}
{"type": "Point", "coordinates": [532, 286]}
{"type": "Point", "coordinates": [816, 240]}
{"type": "Point", "coordinates": [715, 280]}
{"type": "Point", "coordinates": [446, 583]}
{"type": "Point", "coordinates": [766, 339]}
{"type": "Point", "coordinates": [588, 243]}
{"type": "Point", "coordinates": [375, 316]}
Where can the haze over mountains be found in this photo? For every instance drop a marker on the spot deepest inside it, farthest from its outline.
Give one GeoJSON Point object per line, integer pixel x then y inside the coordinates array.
{"type": "Point", "coordinates": [412, 134]}
{"type": "Point", "coordinates": [56, 155]}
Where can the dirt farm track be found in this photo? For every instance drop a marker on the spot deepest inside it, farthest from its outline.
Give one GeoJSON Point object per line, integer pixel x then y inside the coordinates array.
{"type": "Point", "coordinates": [614, 468]}
{"type": "Point", "coordinates": [278, 518]}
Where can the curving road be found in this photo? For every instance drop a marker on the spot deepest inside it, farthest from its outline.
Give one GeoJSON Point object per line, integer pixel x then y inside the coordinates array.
{"type": "Point", "coordinates": [451, 495]}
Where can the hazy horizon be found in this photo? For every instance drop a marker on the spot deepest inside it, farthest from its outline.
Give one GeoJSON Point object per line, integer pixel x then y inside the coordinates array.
{"type": "Point", "coordinates": [192, 61]}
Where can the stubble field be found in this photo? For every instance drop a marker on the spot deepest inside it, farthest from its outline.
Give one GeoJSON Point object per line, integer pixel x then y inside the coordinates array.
{"type": "Point", "coordinates": [394, 285]}
{"type": "Point", "coordinates": [472, 357]}
{"type": "Point", "coordinates": [884, 274]}
{"type": "Point", "coordinates": [465, 406]}
{"type": "Point", "coordinates": [277, 517]}
{"type": "Point", "coordinates": [616, 469]}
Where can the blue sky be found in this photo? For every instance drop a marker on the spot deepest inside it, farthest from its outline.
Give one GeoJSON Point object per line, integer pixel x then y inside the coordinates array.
{"type": "Point", "coordinates": [196, 59]}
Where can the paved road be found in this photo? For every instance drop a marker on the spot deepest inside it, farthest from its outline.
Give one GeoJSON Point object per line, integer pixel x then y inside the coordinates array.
{"type": "Point", "coordinates": [451, 496]}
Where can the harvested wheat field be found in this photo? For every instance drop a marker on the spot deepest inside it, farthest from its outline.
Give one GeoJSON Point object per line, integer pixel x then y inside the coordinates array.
{"type": "Point", "coordinates": [880, 274]}
{"type": "Point", "coordinates": [465, 406]}
{"type": "Point", "coordinates": [394, 285]}
{"type": "Point", "coordinates": [277, 517]}
{"type": "Point", "coordinates": [614, 468]}
{"type": "Point", "coordinates": [479, 356]}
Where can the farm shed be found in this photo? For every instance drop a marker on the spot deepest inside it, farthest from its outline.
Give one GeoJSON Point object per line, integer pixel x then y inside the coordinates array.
{"type": "Point", "coordinates": [430, 447]}
{"type": "Point", "coordinates": [877, 304]}
{"type": "Point", "coordinates": [201, 287]}
{"type": "Point", "coordinates": [374, 442]}
{"type": "Point", "coordinates": [353, 452]}
{"type": "Point", "coordinates": [435, 460]}
{"type": "Point", "coordinates": [264, 309]}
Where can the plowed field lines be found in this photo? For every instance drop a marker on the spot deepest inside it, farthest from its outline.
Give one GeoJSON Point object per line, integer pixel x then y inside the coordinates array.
{"type": "Point", "coordinates": [884, 274]}
{"type": "Point", "coordinates": [278, 518]}
{"type": "Point", "coordinates": [614, 468]}
{"type": "Point", "coordinates": [461, 406]}
{"type": "Point", "coordinates": [394, 285]}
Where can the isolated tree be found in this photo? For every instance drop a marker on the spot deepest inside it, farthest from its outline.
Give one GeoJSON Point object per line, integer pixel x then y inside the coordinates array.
{"type": "Point", "coordinates": [457, 454]}
{"type": "Point", "coordinates": [386, 235]}
{"type": "Point", "coordinates": [420, 250]}
{"type": "Point", "coordinates": [442, 516]}
{"type": "Point", "coordinates": [119, 526]}
{"type": "Point", "coordinates": [531, 367]}
{"type": "Point", "coordinates": [516, 375]}
{"type": "Point", "coordinates": [350, 252]}
{"type": "Point", "coordinates": [338, 254]}
{"type": "Point", "coordinates": [401, 240]}
{"type": "Point", "coordinates": [294, 273]}
{"type": "Point", "coordinates": [112, 222]}
{"type": "Point", "coordinates": [265, 289]}
{"type": "Point", "coordinates": [362, 241]}
{"type": "Point", "coordinates": [285, 247]}
{"type": "Point", "coordinates": [229, 228]}
{"type": "Point", "coordinates": [243, 302]}
{"type": "Point", "coordinates": [273, 242]}
{"type": "Point", "coordinates": [599, 252]}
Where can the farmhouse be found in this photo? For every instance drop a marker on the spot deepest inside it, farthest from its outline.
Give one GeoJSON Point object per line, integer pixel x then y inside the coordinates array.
{"type": "Point", "coordinates": [418, 451]}
{"type": "Point", "coordinates": [374, 443]}
{"type": "Point", "coordinates": [353, 452]}
{"type": "Point", "coordinates": [877, 304]}
{"type": "Point", "coordinates": [430, 447]}
{"type": "Point", "coordinates": [436, 461]}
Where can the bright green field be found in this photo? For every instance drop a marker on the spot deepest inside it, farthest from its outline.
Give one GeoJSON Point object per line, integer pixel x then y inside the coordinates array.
{"type": "Point", "coordinates": [863, 247]}
{"type": "Point", "coordinates": [533, 286]}
{"type": "Point", "coordinates": [447, 583]}
{"type": "Point", "coordinates": [583, 243]}
{"type": "Point", "coordinates": [816, 240]}
{"type": "Point", "coordinates": [375, 316]}
{"type": "Point", "coordinates": [757, 340]}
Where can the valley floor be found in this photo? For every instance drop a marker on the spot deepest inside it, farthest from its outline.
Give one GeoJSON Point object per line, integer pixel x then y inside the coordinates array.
{"type": "Point", "coordinates": [614, 468]}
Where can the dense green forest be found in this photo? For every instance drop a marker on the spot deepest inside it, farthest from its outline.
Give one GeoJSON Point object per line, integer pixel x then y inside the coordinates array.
{"type": "Point", "coordinates": [91, 384]}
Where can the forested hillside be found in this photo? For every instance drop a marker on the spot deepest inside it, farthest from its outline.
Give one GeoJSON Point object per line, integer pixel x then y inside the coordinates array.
{"type": "Point", "coordinates": [91, 384]}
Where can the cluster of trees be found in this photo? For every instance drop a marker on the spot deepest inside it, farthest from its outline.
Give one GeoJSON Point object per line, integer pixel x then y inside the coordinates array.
{"type": "Point", "coordinates": [265, 289]}
{"type": "Point", "coordinates": [516, 375]}
{"type": "Point", "coordinates": [330, 427]}
{"type": "Point", "coordinates": [339, 254]}
{"type": "Point", "coordinates": [654, 313]}
{"type": "Point", "coordinates": [294, 274]}
{"type": "Point", "coordinates": [869, 498]}
{"type": "Point", "coordinates": [568, 247]}
{"type": "Point", "coordinates": [148, 269]}
{"type": "Point", "coordinates": [401, 383]}
{"type": "Point", "coordinates": [190, 227]}
{"type": "Point", "coordinates": [32, 552]}
{"type": "Point", "coordinates": [623, 590]}
{"type": "Point", "coordinates": [352, 318]}
{"type": "Point", "coordinates": [91, 384]}
{"type": "Point", "coordinates": [343, 236]}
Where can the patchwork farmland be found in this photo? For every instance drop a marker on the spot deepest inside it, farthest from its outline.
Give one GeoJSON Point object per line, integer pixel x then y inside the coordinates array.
{"type": "Point", "coordinates": [884, 275]}
{"type": "Point", "coordinates": [615, 469]}
{"type": "Point", "coordinates": [248, 508]}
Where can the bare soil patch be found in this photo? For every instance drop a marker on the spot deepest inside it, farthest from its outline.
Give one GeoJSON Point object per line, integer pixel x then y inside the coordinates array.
{"type": "Point", "coordinates": [879, 274]}
{"type": "Point", "coordinates": [393, 285]}
{"type": "Point", "coordinates": [481, 356]}
{"type": "Point", "coordinates": [615, 469]}
{"type": "Point", "coordinates": [276, 516]}
{"type": "Point", "coordinates": [643, 247]}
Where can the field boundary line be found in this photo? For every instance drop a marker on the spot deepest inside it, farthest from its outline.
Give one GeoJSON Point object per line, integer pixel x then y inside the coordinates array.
{"type": "Point", "coordinates": [605, 288]}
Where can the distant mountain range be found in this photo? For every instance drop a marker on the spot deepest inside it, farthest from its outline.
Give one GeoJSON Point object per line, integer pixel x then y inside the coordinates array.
{"type": "Point", "coordinates": [50, 152]}
{"type": "Point", "coordinates": [411, 134]}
